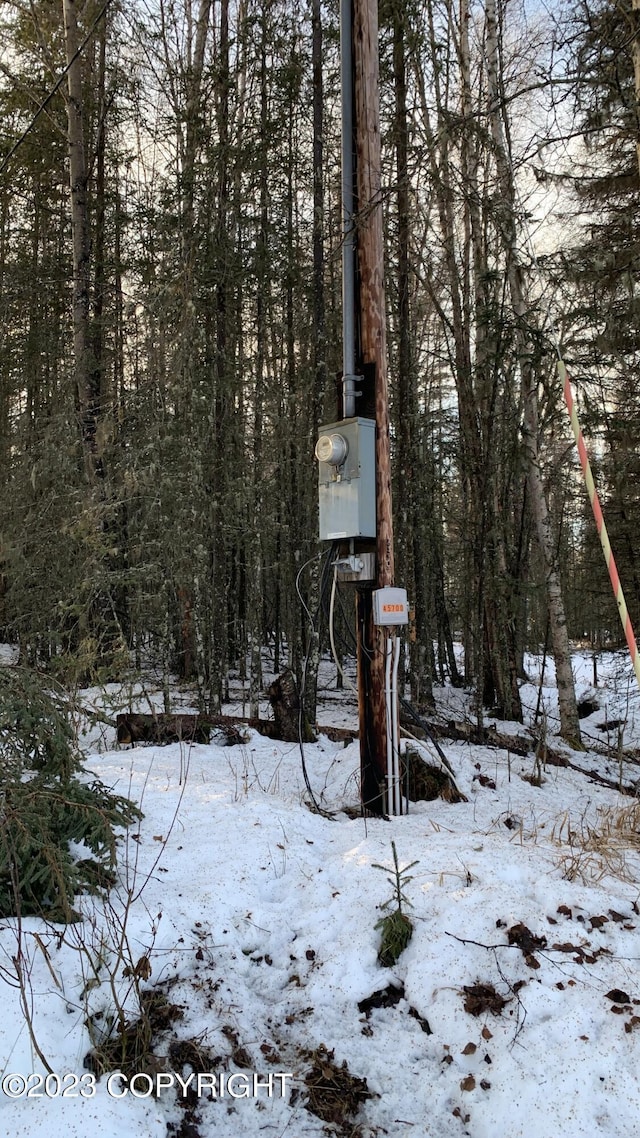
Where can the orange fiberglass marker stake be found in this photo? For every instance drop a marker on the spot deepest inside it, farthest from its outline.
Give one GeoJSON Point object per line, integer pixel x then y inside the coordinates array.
{"type": "Point", "coordinates": [600, 522]}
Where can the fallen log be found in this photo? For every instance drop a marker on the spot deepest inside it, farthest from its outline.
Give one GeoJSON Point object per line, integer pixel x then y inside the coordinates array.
{"type": "Point", "coordinates": [132, 729]}
{"type": "Point", "coordinates": [344, 735]}
{"type": "Point", "coordinates": [485, 737]}
{"type": "Point", "coordinates": [162, 729]}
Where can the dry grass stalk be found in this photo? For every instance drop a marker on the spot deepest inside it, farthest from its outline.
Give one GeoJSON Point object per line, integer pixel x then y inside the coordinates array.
{"type": "Point", "coordinates": [601, 848]}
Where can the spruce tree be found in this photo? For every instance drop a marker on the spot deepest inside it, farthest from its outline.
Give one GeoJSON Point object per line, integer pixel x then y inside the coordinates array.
{"type": "Point", "coordinates": [49, 805]}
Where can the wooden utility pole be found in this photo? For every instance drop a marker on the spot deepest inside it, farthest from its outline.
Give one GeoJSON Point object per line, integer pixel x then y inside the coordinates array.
{"type": "Point", "coordinates": [373, 344]}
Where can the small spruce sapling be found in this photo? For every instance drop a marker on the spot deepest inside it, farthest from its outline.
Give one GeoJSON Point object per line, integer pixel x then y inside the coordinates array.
{"type": "Point", "coordinates": [396, 926]}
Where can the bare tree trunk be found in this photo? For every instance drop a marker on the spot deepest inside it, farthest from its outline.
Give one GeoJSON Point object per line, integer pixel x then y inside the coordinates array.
{"type": "Point", "coordinates": [254, 542]}
{"type": "Point", "coordinates": [635, 51]}
{"type": "Point", "coordinates": [86, 378]}
{"type": "Point", "coordinates": [217, 647]}
{"type": "Point", "coordinates": [319, 332]}
{"type": "Point", "coordinates": [188, 110]}
{"type": "Point", "coordinates": [413, 500]}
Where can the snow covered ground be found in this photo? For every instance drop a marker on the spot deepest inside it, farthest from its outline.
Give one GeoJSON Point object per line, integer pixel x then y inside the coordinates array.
{"type": "Point", "coordinates": [514, 1011]}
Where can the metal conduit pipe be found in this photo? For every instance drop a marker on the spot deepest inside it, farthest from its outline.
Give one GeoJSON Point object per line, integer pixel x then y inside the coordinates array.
{"type": "Point", "coordinates": [348, 228]}
{"type": "Point", "coordinates": [394, 782]}
{"type": "Point", "coordinates": [395, 729]}
{"type": "Point", "coordinates": [388, 704]}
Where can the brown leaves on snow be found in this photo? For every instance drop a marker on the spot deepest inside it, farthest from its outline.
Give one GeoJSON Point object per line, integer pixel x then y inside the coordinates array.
{"type": "Point", "coordinates": [527, 942]}
{"type": "Point", "coordinates": [481, 998]}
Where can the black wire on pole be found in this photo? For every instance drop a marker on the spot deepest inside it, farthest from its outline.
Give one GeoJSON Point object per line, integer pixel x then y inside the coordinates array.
{"type": "Point", "coordinates": [422, 723]}
{"type": "Point", "coordinates": [54, 89]}
{"type": "Point", "coordinates": [327, 555]}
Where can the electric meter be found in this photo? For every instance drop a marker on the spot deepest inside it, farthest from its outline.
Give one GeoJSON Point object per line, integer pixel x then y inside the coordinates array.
{"type": "Point", "coordinates": [332, 449]}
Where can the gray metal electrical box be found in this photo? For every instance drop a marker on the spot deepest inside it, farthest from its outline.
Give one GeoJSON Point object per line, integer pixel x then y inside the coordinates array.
{"type": "Point", "coordinates": [346, 453]}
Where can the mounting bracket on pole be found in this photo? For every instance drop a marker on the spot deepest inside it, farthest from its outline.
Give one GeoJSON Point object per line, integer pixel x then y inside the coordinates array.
{"type": "Point", "coordinates": [356, 568]}
{"type": "Point", "coordinates": [350, 394]}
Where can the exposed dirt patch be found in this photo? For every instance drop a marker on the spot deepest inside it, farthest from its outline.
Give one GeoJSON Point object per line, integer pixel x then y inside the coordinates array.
{"type": "Point", "coordinates": [389, 997]}
{"type": "Point", "coordinates": [384, 998]}
{"type": "Point", "coordinates": [129, 1048]}
{"type": "Point", "coordinates": [191, 1053]}
{"type": "Point", "coordinates": [334, 1094]}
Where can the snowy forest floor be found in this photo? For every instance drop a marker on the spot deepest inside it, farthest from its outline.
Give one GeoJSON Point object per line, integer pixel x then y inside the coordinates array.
{"type": "Point", "coordinates": [513, 1011]}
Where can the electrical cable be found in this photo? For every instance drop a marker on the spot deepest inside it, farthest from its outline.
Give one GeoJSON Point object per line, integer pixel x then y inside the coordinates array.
{"type": "Point", "coordinates": [325, 585]}
{"type": "Point", "coordinates": [388, 718]}
{"type": "Point", "coordinates": [395, 727]}
{"type": "Point", "coordinates": [316, 557]}
{"type": "Point", "coordinates": [334, 586]}
{"type": "Point", "coordinates": [348, 642]}
{"type": "Point", "coordinates": [369, 788]}
{"type": "Point", "coordinates": [301, 693]}
{"type": "Point", "coordinates": [351, 634]}
{"type": "Point", "coordinates": [44, 104]}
